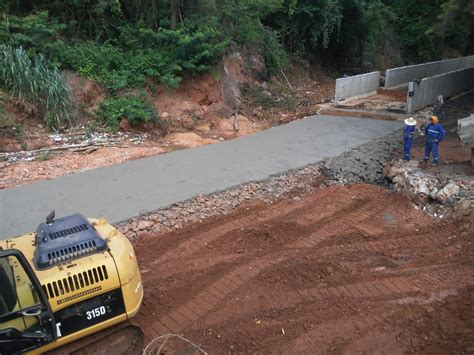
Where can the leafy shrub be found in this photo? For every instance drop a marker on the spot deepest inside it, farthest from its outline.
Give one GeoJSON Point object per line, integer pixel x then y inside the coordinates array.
{"type": "Point", "coordinates": [139, 53]}
{"type": "Point", "coordinates": [276, 96]}
{"type": "Point", "coordinates": [241, 20]}
{"type": "Point", "coordinates": [43, 156]}
{"type": "Point", "coordinates": [35, 83]}
{"type": "Point", "coordinates": [134, 109]}
{"type": "Point", "coordinates": [100, 62]}
{"type": "Point", "coordinates": [36, 32]}
{"type": "Point", "coordinates": [273, 52]}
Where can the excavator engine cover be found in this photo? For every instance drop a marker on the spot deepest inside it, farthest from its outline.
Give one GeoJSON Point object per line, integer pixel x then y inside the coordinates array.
{"type": "Point", "coordinates": [66, 239]}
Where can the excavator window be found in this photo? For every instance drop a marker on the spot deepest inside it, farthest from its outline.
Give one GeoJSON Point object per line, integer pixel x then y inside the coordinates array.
{"type": "Point", "coordinates": [8, 297]}
{"type": "Point", "coordinates": [25, 316]}
{"type": "Point", "coordinates": [17, 294]}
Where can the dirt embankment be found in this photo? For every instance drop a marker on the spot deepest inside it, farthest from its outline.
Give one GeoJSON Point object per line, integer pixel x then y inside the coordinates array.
{"type": "Point", "coordinates": [343, 269]}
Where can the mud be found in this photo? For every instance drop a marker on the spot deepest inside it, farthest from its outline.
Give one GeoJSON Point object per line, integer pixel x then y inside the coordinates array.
{"type": "Point", "coordinates": [344, 269]}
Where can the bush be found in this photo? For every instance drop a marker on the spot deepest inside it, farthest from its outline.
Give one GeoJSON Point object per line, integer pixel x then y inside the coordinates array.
{"type": "Point", "coordinates": [37, 84]}
{"type": "Point", "coordinates": [36, 32]}
{"type": "Point", "coordinates": [139, 53]}
{"type": "Point", "coordinates": [273, 52]}
{"type": "Point", "coordinates": [134, 109]}
{"type": "Point", "coordinates": [276, 96]}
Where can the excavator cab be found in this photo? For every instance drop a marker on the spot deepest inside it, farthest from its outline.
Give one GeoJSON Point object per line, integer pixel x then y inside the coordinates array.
{"type": "Point", "coordinates": [72, 278]}
{"type": "Point", "coordinates": [26, 320]}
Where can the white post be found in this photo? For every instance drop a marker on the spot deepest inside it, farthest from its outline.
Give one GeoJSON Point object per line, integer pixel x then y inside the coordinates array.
{"type": "Point", "coordinates": [410, 95]}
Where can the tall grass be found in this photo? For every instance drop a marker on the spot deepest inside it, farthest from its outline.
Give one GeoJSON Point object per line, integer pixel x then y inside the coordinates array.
{"type": "Point", "coordinates": [37, 84]}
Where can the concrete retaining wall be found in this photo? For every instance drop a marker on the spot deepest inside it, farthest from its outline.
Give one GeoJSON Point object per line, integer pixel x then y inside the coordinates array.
{"type": "Point", "coordinates": [399, 76]}
{"type": "Point", "coordinates": [357, 86]}
{"type": "Point", "coordinates": [449, 84]}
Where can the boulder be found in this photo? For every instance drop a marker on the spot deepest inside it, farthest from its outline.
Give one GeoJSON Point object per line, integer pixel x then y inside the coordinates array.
{"type": "Point", "coordinates": [462, 205]}
{"type": "Point", "coordinates": [142, 225]}
{"type": "Point", "coordinates": [411, 180]}
{"type": "Point", "coordinates": [446, 192]}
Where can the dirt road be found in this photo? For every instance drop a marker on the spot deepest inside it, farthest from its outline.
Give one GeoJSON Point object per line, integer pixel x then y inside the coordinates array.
{"type": "Point", "coordinates": [346, 269]}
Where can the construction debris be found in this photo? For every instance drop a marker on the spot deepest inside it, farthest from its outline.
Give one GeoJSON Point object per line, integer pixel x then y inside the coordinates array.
{"type": "Point", "coordinates": [434, 193]}
{"type": "Point", "coordinates": [77, 141]}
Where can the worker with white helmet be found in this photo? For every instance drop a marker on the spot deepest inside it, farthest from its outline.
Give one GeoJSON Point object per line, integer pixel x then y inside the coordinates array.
{"type": "Point", "coordinates": [408, 135]}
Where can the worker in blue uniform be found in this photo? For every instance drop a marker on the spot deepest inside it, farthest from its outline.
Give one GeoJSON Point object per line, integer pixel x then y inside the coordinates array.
{"type": "Point", "coordinates": [408, 135]}
{"type": "Point", "coordinates": [434, 134]}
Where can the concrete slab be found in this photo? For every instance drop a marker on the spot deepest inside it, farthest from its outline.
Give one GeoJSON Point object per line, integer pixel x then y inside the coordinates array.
{"type": "Point", "coordinates": [122, 191]}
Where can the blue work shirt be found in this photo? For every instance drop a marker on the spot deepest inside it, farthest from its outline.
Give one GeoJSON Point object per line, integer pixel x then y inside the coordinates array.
{"type": "Point", "coordinates": [408, 132]}
{"type": "Point", "coordinates": [434, 133]}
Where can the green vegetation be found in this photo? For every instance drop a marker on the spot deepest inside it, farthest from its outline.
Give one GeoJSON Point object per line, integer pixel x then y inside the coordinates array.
{"type": "Point", "coordinates": [134, 109]}
{"type": "Point", "coordinates": [35, 83]}
{"type": "Point", "coordinates": [43, 156]}
{"type": "Point", "coordinates": [138, 43]}
{"type": "Point", "coordinates": [278, 95]}
{"type": "Point", "coordinates": [122, 42]}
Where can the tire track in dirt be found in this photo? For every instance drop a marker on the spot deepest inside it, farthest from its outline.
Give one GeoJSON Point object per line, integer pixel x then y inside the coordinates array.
{"type": "Point", "coordinates": [401, 289]}
{"type": "Point", "coordinates": [213, 294]}
{"type": "Point", "coordinates": [252, 275]}
{"type": "Point", "coordinates": [218, 291]}
{"type": "Point", "coordinates": [357, 210]}
{"type": "Point", "coordinates": [190, 246]}
{"type": "Point", "coordinates": [320, 339]}
{"type": "Point", "coordinates": [386, 288]}
{"type": "Point", "coordinates": [383, 245]}
{"type": "Point", "coordinates": [451, 276]}
{"type": "Point", "coordinates": [207, 299]}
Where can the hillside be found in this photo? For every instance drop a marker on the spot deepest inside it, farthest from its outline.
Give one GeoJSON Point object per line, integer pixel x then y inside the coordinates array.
{"type": "Point", "coordinates": [91, 83]}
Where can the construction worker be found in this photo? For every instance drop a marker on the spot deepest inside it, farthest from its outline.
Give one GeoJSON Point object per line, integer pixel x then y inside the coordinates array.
{"type": "Point", "coordinates": [434, 134]}
{"type": "Point", "coordinates": [408, 135]}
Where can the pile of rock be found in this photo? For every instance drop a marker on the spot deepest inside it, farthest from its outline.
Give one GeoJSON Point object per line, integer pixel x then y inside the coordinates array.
{"type": "Point", "coordinates": [428, 190]}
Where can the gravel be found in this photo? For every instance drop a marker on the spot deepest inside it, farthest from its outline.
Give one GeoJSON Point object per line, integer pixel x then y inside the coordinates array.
{"type": "Point", "coordinates": [366, 163]}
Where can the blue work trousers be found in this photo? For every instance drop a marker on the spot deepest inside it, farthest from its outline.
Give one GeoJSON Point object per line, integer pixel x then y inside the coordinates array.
{"type": "Point", "coordinates": [407, 148]}
{"type": "Point", "coordinates": [431, 147]}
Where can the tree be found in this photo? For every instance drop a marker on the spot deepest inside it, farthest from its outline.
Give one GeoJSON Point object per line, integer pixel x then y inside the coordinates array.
{"type": "Point", "coordinates": [455, 25]}
{"type": "Point", "coordinates": [173, 13]}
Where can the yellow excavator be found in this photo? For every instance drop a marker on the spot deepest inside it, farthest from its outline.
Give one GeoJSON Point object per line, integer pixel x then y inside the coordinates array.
{"type": "Point", "coordinates": [72, 278]}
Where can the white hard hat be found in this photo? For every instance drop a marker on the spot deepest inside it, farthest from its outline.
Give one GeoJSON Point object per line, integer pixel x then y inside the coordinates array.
{"type": "Point", "coordinates": [410, 121]}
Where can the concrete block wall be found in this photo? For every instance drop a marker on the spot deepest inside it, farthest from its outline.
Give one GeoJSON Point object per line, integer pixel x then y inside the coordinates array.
{"type": "Point", "coordinates": [357, 86]}
{"type": "Point", "coordinates": [402, 75]}
{"type": "Point", "coordinates": [427, 90]}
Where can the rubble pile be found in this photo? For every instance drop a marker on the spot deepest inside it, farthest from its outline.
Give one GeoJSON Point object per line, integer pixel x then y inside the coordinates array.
{"type": "Point", "coordinates": [438, 195]}
{"type": "Point", "coordinates": [74, 140]}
